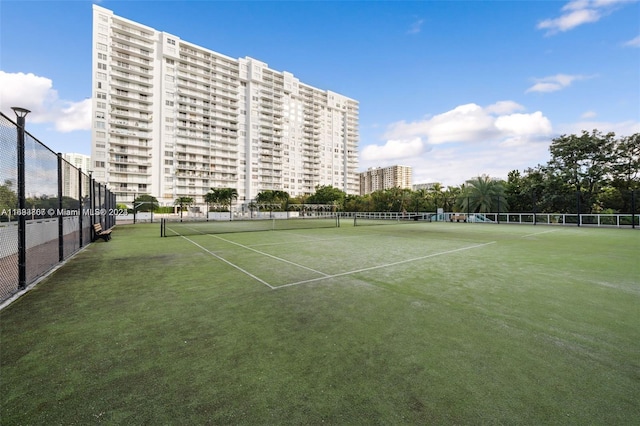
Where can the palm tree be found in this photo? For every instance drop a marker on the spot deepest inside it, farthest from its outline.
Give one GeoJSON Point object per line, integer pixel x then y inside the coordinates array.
{"type": "Point", "coordinates": [222, 196]}
{"type": "Point", "coordinates": [227, 197]}
{"type": "Point", "coordinates": [483, 195]}
{"type": "Point", "coordinates": [183, 202]}
{"type": "Point", "coordinates": [419, 198]}
{"type": "Point", "coordinates": [273, 199]}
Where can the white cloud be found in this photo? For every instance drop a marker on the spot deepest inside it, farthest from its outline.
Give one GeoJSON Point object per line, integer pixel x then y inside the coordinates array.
{"type": "Point", "coordinates": [554, 83]}
{"type": "Point", "coordinates": [589, 114]}
{"type": "Point", "coordinates": [524, 124]}
{"type": "Point", "coordinates": [504, 107]}
{"type": "Point", "coordinates": [580, 12]}
{"type": "Point", "coordinates": [465, 142]}
{"type": "Point", "coordinates": [416, 27]}
{"type": "Point", "coordinates": [394, 150]}
{"type": "Point", "coordinates": [37, 94]}
{"type": "Point", "coordinates": [634, 42]}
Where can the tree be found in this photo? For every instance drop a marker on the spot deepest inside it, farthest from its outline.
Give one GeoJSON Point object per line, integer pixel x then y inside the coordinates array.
{"type": "Point", "coordinates": [450, 197]}
{"type": "Point", "coordinates": [327, 194]}
{"type": "Point", "coordinates": [419, 200]}
{"type": "Point", "coordinates": [183, 202]}
{"type": "Point", "coordinates": [625, 171]}
{"type": "Point", "coordinates": [8, 200]}
{"type": "Point", "coordinates": [435, 193]}
{"type": "Point", "coordinates": [583, 162]}
{"type": "Point", "coordinates": [273, 199]}
{"type": "Point", "coordinates": [483, 195]}
{"type": "Point", "coordinates": [222, 196]}
{"type": "Point", "coordinates": [145, 203]}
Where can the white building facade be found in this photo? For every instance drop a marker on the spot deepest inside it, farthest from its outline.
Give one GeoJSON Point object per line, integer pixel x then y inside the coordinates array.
{"type": "Point", "coordinates": [69, 181]}
{"type": "Point", "coordinates": [173, 119]}
{"type": "Point", "coordinates": [380, 178]}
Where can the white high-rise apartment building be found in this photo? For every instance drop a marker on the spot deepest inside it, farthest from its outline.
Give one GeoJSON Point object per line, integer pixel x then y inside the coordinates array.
{"type": "Point", "coordinates": [173, 119]}
{"type": "Point", "coordinates": [69, 175]}
{"type": "Point", "coordinates": [379, 178]}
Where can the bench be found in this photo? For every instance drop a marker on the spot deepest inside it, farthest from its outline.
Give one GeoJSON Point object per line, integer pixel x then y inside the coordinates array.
{"type": "Point", "coordinates": [98, 232]}
{"type": "Point", "coordinates": [458, 217]}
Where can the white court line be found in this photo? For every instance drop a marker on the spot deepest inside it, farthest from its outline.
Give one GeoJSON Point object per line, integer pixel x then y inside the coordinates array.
{"type": "Point", "coordinates": [230, 264]}
{"type": "Point", "coordinates": [269, 255]}
{"type": "Point", "coordinates": [538, 233]}
{"type": "Point", "coordinates": [342, 274]}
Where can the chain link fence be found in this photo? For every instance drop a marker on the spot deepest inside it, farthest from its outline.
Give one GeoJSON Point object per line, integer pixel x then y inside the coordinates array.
{"type": "Point", "coordinates": [48, 215]}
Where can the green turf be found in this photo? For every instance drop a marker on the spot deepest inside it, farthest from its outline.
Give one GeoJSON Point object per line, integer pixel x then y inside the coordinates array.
{"type": "Point", "coordinates": [426, 323]}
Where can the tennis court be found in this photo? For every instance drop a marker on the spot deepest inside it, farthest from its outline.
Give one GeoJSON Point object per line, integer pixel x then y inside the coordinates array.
{"type": "Point", "coordinates": [298, 255]}
{"type": "Point", "coordinates": [405, 323]}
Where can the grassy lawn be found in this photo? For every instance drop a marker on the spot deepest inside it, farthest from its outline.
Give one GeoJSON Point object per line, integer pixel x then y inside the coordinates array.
{"type": "Point", "coordinates": [426, 323]}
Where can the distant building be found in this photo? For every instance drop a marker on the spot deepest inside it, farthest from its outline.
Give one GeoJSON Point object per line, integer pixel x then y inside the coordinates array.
{"type": "Point", "coordinates": [174, 119]}
{"type": "Point", "coordinates": [379, 178]}
{"type": "Point", "coordinates": [425, 186]}
{"type": "Point", "coordinates": [69, 175]}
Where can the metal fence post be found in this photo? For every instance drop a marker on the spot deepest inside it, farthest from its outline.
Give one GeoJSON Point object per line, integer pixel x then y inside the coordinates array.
{"type": "Point", "coordinates": [59, 212]}
{"type": "Point", "coordinates": [92, 200]}
{"type": "Point", "coordinates": [80, 209]}
{"type": "Point", "coordinates": [21, 113]}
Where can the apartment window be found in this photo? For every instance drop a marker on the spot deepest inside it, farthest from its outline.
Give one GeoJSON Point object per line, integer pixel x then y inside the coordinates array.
{"type": "Point", "coordinates": [100, 114]}
{"type": "Point", "coordinates": [101, 105]}
{"type": "Point", "coordinates": [99, 164]}
{"type": "Point", "coordinates": [100, 95]}
{"type": "Point", "coordinates": [100, 125]}
{"type": "Point", "coordinates": [102, 56]}
{"type": "Point", "coordinates": [168, 103]}
{"type": "Point", "coordinates": [101, 46]}
{"type": "Point", "coordinates": [171, 41]}
{"type": "Point", "coordinates": [170, 62]}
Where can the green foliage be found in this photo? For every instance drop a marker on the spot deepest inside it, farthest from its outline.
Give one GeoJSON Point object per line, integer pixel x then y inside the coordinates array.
{"type": "Point", "coordinates": [183, 203]}
{"type": "Point", "coordinates": [591, 171]}
{"type": "Point", "coordinates": [272, 200]}
{"type": "Point", "coordinates": [327, 194]}
{"type": "Point", "coordinates": [8, 200]}
{"type": "Point", "coordinates": [483, 195]}
{"type": "Point", "coordinates": [146, 203]}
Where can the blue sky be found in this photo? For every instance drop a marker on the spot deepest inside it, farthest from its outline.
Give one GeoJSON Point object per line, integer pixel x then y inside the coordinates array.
{"type": "Point", "coordinates": [453, 89]}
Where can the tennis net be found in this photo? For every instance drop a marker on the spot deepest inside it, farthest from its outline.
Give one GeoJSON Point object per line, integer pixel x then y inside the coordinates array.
{"type": "Point", "coordinates": [174, 228]}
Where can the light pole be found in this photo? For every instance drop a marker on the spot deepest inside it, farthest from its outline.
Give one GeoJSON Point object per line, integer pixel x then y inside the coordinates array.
{"type": "Point", "coordinates": [21, 113]}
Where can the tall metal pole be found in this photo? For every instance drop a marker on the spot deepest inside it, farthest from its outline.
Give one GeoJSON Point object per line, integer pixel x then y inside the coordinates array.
{"type": "Point", "coordinates": [21, 113]}
{"type": "Point", "coordinates": [60, 218]}
{"type": "Point", "coordinates": [80, 206]}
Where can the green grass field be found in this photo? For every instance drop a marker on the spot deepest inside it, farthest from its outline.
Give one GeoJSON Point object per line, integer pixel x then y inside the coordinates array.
{"type": "Point", "coordinates": [418, 323]}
